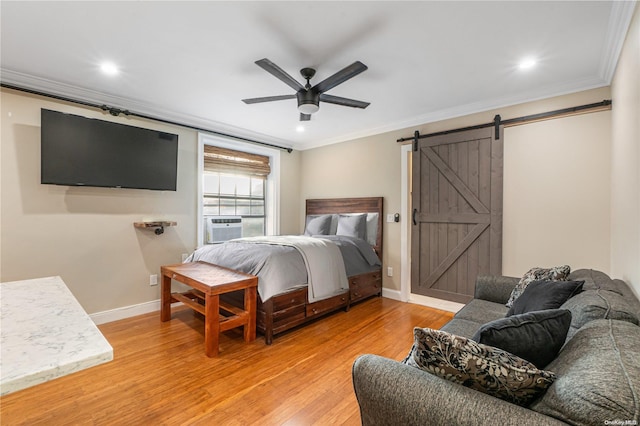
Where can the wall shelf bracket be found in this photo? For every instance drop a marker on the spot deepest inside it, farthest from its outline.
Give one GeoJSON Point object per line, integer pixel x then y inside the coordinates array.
{"type": "Point", "coordinates": [157, 226]}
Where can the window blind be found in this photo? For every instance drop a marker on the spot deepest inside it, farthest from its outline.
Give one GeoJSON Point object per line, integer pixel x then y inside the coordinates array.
{"type": "Point", "coordinates": [225, 160]}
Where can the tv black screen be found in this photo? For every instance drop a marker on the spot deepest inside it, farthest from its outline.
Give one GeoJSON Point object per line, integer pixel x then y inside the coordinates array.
{"type": "Point", "coordinates": [80, 151]}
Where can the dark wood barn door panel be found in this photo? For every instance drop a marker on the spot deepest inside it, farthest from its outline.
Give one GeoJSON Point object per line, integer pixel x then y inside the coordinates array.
{"type": "Point", "coordinates": [457, 213]}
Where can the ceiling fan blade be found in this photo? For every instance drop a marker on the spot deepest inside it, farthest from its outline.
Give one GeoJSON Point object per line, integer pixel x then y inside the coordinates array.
{"type": "Point", "coordinates": [305, 117]}
{"type": "Point", "coordinates": [268, 99]}
{"type": "Point", "coordinates": [279, 73]}
{"type": "Point", "coordinates": [340, 77]}
{"type": "Point", "coordinates": [343, 101]}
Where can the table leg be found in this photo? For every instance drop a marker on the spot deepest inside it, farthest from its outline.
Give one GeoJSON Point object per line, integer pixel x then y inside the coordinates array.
{"type": "Point", "coordinates": [165, 298]}
{"type": "Point", "coordinates": [211, 324]}
{"type": "Point", "coordinates": [250, 305]}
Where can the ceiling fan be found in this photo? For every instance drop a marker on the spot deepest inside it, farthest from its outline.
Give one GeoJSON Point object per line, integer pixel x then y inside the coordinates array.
{"type": "Point", "coordinates": [309, 97]}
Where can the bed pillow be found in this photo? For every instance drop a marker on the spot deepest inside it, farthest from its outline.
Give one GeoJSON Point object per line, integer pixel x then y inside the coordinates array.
{"type": "Point", "coordinates": [353, 226]}
{"type": "Point", "coordinates": [535, 336]}
{"type": "Point", "coordinates": [540, 295]}
{"type": "Point", "coordinates": [484, 368]}
{"type": "Point", "coordinates": [558, 273]}
{"type": "Point", "coordinates": [318, 225]}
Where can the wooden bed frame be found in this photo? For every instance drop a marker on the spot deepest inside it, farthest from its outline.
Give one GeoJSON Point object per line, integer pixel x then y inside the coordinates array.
{"type": "Point", "coordinates": [291, 309]}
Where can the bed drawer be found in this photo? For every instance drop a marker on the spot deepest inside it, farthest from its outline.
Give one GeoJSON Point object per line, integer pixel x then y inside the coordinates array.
{"type": "Point", "coordinates": [290, 299]}
{"type": "Point", "coordinates": [327, 305]}
{"type": "Point", "coordinates": [365, 285]}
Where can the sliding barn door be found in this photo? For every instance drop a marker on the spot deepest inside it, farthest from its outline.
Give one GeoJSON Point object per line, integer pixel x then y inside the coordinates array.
{"type": "Point", "coordinates": [457, 213]}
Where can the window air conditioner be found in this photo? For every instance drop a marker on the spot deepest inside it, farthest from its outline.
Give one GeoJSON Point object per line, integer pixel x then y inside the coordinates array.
{"type": "Point", "coordinates": [222, 228]}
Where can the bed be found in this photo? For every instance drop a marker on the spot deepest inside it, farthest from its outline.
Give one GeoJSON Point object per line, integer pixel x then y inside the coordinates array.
{"type": "Point", "coordinates": [295, 283]}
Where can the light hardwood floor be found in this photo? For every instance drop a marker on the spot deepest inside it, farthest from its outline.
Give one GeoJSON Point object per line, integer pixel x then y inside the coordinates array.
{"type": "Point", "coordinates": [160, 375]}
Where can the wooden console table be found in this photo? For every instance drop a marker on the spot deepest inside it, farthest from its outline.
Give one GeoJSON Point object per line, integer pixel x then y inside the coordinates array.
{"type": "Point", "coordinates": [208, 282]}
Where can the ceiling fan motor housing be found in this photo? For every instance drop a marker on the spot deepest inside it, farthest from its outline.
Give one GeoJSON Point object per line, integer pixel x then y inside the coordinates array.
{"type": "Point", "coordinates": [308, 101]}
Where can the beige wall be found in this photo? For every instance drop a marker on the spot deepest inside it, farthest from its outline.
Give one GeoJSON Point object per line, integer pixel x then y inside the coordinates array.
{"type": "Point", "coordinates": [556, 185]}
{"type": "Point", "coordinates": [367, 167]}
{"type": "Point", "coordinates": [556, 194]}
{"type": "Point", "coordinates": [290, 193]}
{"type": "Point", "coordinates": [86, 235]}
{"type": "Point", "coordinates": [625, 160]}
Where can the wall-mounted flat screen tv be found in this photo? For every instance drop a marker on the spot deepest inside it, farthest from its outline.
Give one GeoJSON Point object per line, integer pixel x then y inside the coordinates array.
{"type": "Point", "coordinates": [80, 151]}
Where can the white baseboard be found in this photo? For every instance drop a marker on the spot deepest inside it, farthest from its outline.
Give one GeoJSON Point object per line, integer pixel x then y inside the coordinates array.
{"type": "Point", "coordinates": [432, 302]}
{"type": "Point", "coordinates": [391, 294]}
{"type": "Point", "coordinates": [125, 312]}
{"type": "Point", "coordinates": [154, 306]}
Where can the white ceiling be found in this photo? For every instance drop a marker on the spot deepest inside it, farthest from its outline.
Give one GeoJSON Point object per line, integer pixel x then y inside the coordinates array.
{"type": "Point", "coordinates": [193, 62]}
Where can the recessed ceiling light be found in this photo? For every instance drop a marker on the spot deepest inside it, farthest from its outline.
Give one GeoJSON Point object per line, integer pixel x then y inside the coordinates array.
{"type": "Point", "coordinates": [527, 63]}
{"type": "Point", "coordinates": [300, 129]}
{"type": "Point", "coordinates": [109, 68]}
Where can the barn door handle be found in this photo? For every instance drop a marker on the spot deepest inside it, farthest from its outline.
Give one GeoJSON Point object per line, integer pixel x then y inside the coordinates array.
{"type": "Point", "coordinates": [415, 211]}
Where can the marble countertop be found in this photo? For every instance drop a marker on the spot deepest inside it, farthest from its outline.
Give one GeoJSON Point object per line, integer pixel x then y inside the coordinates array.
{"type": "Point", "coordinates": [45, 334]}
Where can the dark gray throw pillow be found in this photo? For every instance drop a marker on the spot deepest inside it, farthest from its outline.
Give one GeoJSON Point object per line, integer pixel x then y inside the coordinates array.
{"type": "Point", "coordinates": [541, 295]}
{"type": "Point", "coordinates": [535, 336]}
{"type": "Point", "coordinates": [319, 225]}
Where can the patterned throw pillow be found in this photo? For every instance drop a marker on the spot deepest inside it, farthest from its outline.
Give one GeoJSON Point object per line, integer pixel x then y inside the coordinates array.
{"type": "Point", "coordinates": [558, 273]}
{"type": "Point", "coordinates": [480, 367]}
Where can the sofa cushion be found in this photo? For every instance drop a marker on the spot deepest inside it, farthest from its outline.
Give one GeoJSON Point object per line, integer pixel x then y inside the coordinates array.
{"type": "Point", "coordinates": [557, 273]}
{"type": "Point", "coordinates": [598, 376]}
{"type": "Point", "coordinates": [480, 367]}
{"type": "Point", "coordinates": [461, 327]}
{"type": "Point", "coordinates": [593, 279]}
{"type": "Point", "coordinates": [482, 311]}
{"type": "Point", "coordinates": [540, 295]}
{"type": "Point", "coordinates": [535, 336]}
{"type": "Point", "coordinates": [600, 304]}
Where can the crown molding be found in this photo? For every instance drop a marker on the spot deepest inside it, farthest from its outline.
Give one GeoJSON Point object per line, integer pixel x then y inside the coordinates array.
{"type": "Point", "coordinates": [619, 21]}
{"type": "Point", "coordinates": [85, 95]}
{"type": "Point", "coordinates": [468, 109]}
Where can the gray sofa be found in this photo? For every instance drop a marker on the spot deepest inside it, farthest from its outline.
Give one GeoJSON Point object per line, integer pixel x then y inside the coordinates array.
{"type": "Point", "coordinates": [598, 368]}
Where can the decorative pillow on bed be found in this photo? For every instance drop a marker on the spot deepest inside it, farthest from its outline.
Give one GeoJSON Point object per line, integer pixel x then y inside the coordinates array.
{"type": "Point", "coordinates": [480, 367]}
{"type": "Point", "coordinates": [535, 336]}
{"type": "Point", "coordinates": [318, 225]}
{"type": "Point", "coordinates": [353, 225]}
{"type": "Point", "coordinates": [541, 295]}
{"type": "Point", "coordinates": [558, 273]}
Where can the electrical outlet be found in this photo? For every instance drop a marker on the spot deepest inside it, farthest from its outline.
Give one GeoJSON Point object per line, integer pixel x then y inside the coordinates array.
{"type": "Point", "coordinates": [153, 279]}
{"type": "Point", "coordinates": [390, 218]}
{"type": "Point", "coordinates": [184, 256]}
{"type": "Point", "coordinates": [389, 271]}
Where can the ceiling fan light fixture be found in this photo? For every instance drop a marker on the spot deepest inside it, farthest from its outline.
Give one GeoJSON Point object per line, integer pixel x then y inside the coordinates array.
{"type": "Point", "coordinates": [308, 102]}
{"type": "Point", "coordinates": [308, 108]}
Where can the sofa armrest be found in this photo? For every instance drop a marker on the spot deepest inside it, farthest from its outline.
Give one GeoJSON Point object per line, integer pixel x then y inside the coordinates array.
{"type": "Point", "coordinates": [495, 288]}
{"type": "Point", "coordinates": [392, 393]}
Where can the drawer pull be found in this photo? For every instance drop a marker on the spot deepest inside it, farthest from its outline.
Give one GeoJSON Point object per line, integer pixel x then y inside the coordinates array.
{"type": "Point", "coordinates": [293, 300]}
{"type": "Point", "coordinates": [314, 310]}
{"type": "Point", "coordinates": [357, 294]}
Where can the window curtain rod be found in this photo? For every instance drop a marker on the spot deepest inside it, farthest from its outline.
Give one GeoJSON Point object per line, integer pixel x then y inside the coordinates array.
{"type": "Point", "coordinates": [116, 112]}
{"type": "Point", "coordinates": [565, 112]}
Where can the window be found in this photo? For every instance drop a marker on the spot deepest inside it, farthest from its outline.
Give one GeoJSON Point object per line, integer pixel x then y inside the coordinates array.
{"type": "Point", "coordinates": [236, 195]}
{"type": "Point", "coordinates": [238, 179]}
